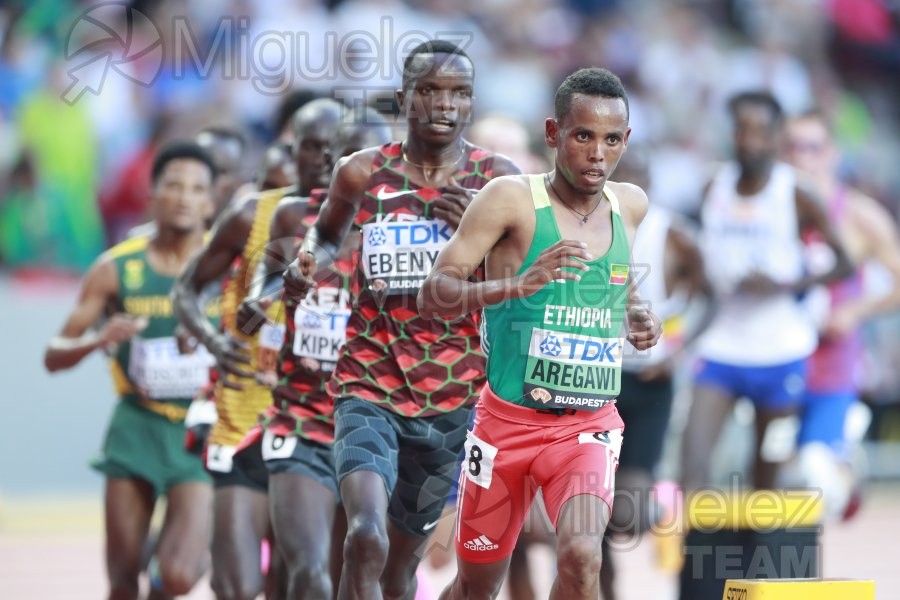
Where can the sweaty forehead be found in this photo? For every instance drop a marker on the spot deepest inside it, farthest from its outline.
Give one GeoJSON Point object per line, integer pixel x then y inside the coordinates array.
{"type": "Point", "coordinates": [597, 112]}
{"type": "Point", "coordinates": [317, 129]}
{"type": "Point", "coordinates": [186, 168]}
{"type": "Point", "coordinates": [439, 65]}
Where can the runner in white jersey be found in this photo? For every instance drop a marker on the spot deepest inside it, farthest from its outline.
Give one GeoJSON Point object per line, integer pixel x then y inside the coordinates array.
{"type": "Point", "coordinates": [757, 345]}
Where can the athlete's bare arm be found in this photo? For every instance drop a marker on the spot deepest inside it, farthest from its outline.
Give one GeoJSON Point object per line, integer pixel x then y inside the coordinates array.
{"type": "Point", "coordinates": [323, 241]}
{"type": "Point", "coordinates": [99, 293]}
{"type": "Point", "coordinates": [874, 227]}
{"type": "Point", "coordinates": [498, 212]}
{"type": "Point", "coordinates": [229, 236]}
{"type": "Point", "coordinates": [811, 216]}
{"type": "Point", "coordinates": [268, 281]}
{"type": "Point", "coordinates": [283, 229]}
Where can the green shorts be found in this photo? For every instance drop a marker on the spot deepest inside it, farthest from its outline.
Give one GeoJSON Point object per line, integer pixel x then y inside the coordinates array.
{"type": "Point", "coordinates": [143, 445]}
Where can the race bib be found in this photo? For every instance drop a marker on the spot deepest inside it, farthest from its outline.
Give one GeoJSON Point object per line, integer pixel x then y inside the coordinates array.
{"type": "Point", "coordinates": [320, 324]}
{"type": "Point", "coordinates": [478, 464]}
{"type": "Point", "coordinates": [275, 447]}
{"type": "Point", "coordinates": [160, 371]}
{"type": "Point", "coordinates": [398, 255]}
{"type": "Point", "coordinates": [566, 370]}
{"type": "Point", "coordinates": [220, 459]}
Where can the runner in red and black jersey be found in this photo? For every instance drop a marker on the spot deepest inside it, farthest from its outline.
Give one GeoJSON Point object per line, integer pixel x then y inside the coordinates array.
{"type": "Point", "coordinates": [403, 386]}
{"type": "Point", "coordinates": [297, 431]}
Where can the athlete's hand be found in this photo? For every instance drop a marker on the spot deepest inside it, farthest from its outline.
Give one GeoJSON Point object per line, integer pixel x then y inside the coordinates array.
{"type": "Point", "coordinates": [644, 327]}
{"type": "Point", "coordinates": [187, 343]}
{"type": "Point", "coordinates": [298, 278]}
{"type": "Point", "coordinates": [550, 264]}
{"type": "Point", "coordinates": [759, 284]}
{"type": "Point", "coordinates": [232, 358]}
{"type": "Point", "coordinates": [120, 328]}
{"type": "Point", "coordinates": [252, 314]}
{"type": "Point", "coordinates": [451, 205]}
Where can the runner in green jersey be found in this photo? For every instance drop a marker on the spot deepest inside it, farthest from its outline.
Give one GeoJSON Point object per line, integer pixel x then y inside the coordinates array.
{"type": "Point", "coordinates": [143, 454]}
{"type": "Point", "coordinates": [556, 249]}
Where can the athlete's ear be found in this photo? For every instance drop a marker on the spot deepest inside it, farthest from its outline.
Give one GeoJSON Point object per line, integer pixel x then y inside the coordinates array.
{"type": "Point", "coordinates": [627, 135]}
{"type": "Point", "coordinates": [551, 132]}
{"type": "Point", "coordinates": [400, 94]}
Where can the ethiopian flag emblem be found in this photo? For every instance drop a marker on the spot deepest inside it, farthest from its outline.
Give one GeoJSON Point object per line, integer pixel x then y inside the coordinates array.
{"type": "Point", "coordinates": [618, 274]}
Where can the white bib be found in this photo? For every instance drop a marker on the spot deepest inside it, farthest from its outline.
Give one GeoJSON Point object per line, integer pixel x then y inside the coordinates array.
{"type": "Point", "coordinates": [160, 371]}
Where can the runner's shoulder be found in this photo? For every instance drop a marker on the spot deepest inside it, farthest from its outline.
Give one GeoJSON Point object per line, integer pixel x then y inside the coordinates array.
{"type": "Point", "coordinates": [633, 201]}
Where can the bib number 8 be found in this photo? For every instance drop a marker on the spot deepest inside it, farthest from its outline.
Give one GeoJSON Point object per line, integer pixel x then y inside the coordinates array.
{"type": "Point", "coordinates": [479, 460]}
{"type": "Point", "coordinates": [475, 457]}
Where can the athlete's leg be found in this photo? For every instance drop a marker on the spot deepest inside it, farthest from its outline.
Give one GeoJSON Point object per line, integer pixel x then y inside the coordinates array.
{"type": "Point", "coordinates": [765, 469]}
{"type": "Point", "coordinates": [338, 535]}
{"type": "Point", "coordinates": [777, 396]}
{"type": "Point", "coordinates": [365, 461]}
{"type": "Point", "coordinates": [366, 545]}
{"type": "Point", "coordinates": [519, 577]}
{"type": "Point", "coordinates": [582, 522]}
{"type": "Point", "coordinates": [607, 570]}
{"type": "Point", "coordinates": [241, 522]}
{"type": "Point", "coordinates": [398, 581]}
{"type": "Point", "coordinates": [302, 515]}
{"type": "Point", "coordinates": [709, 410]}
{"type": "Point", "coordinates": [129, 508]}
{"type": "Point", "coordinates": [476, 581]}
{"type": "Point", "coordinates": [276, 583]}
{"type": "Point", "coordinates": [427, 467]}
{"type": "Point", "coordinates": [183, 549]}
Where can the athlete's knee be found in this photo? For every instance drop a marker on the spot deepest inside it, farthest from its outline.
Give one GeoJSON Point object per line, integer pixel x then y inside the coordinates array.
{"type": "Point", "coordinates": [578, 561]}
{"type": "Point", "coordinates": [123, 578]}
{"type": "Point", "coordinates": [474, 587]}
{"type": "Point", "coordinates": [123, 586]}
{"type": "Point", "coordinates": [310, 580]}
{"type": "Point", "coordinates": [366, 543]}
{"type": "Point", "coordinates": [398, 585]}
{"type": "Point", "coordinates": [177, 577]}
{"type": "Point", "coordinates": [230, 586]}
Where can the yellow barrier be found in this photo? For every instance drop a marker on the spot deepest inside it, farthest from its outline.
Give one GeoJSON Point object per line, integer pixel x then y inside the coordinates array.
{"type": "Point", "coordinates": [798, 589]}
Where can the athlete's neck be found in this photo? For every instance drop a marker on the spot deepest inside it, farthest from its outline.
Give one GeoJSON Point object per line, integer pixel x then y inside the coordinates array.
{"type": "Point", "coordinates": [751, 181]}
{"type": "Point", "coordinates": [576, 199]}
{"type": "Point", "coordinates": [433, 156]}
{"type": "Point", "coordinates": [173, 247]}
{"type": "Point", "coordinates": [304, 190]}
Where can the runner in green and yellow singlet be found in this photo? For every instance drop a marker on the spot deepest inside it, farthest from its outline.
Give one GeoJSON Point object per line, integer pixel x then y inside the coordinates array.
{"type": "Point", "coordinates": [143, 453]}
{"type": "Point", "coordinates": [557, 251]}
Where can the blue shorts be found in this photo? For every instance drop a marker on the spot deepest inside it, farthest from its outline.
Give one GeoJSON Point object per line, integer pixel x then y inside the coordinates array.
{"type": "Point", "coordinates": [822, 419]}
{"type": "Point", "coordinates": [417, 458]}
{"type": "Point", "coordinates": [774, 388]}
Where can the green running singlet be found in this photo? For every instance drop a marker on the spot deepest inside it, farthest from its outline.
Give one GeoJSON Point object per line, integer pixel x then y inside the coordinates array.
{"type": "Point", "coordinates": [562, 347]}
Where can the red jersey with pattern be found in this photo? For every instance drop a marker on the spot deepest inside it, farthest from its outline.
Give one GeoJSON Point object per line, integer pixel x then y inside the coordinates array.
{"type": "Point", "coordinates": [314, 334]}
{"type": "Point", "coordinates": [412, 366]}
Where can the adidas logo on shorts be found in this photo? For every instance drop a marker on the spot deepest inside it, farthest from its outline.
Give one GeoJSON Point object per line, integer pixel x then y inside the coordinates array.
{"type": "Point", "coordinates": [481, 544]}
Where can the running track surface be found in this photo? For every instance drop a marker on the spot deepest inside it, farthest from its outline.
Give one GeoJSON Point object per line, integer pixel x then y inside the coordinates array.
{"type": "Point", "coordinates": [53, 549]}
